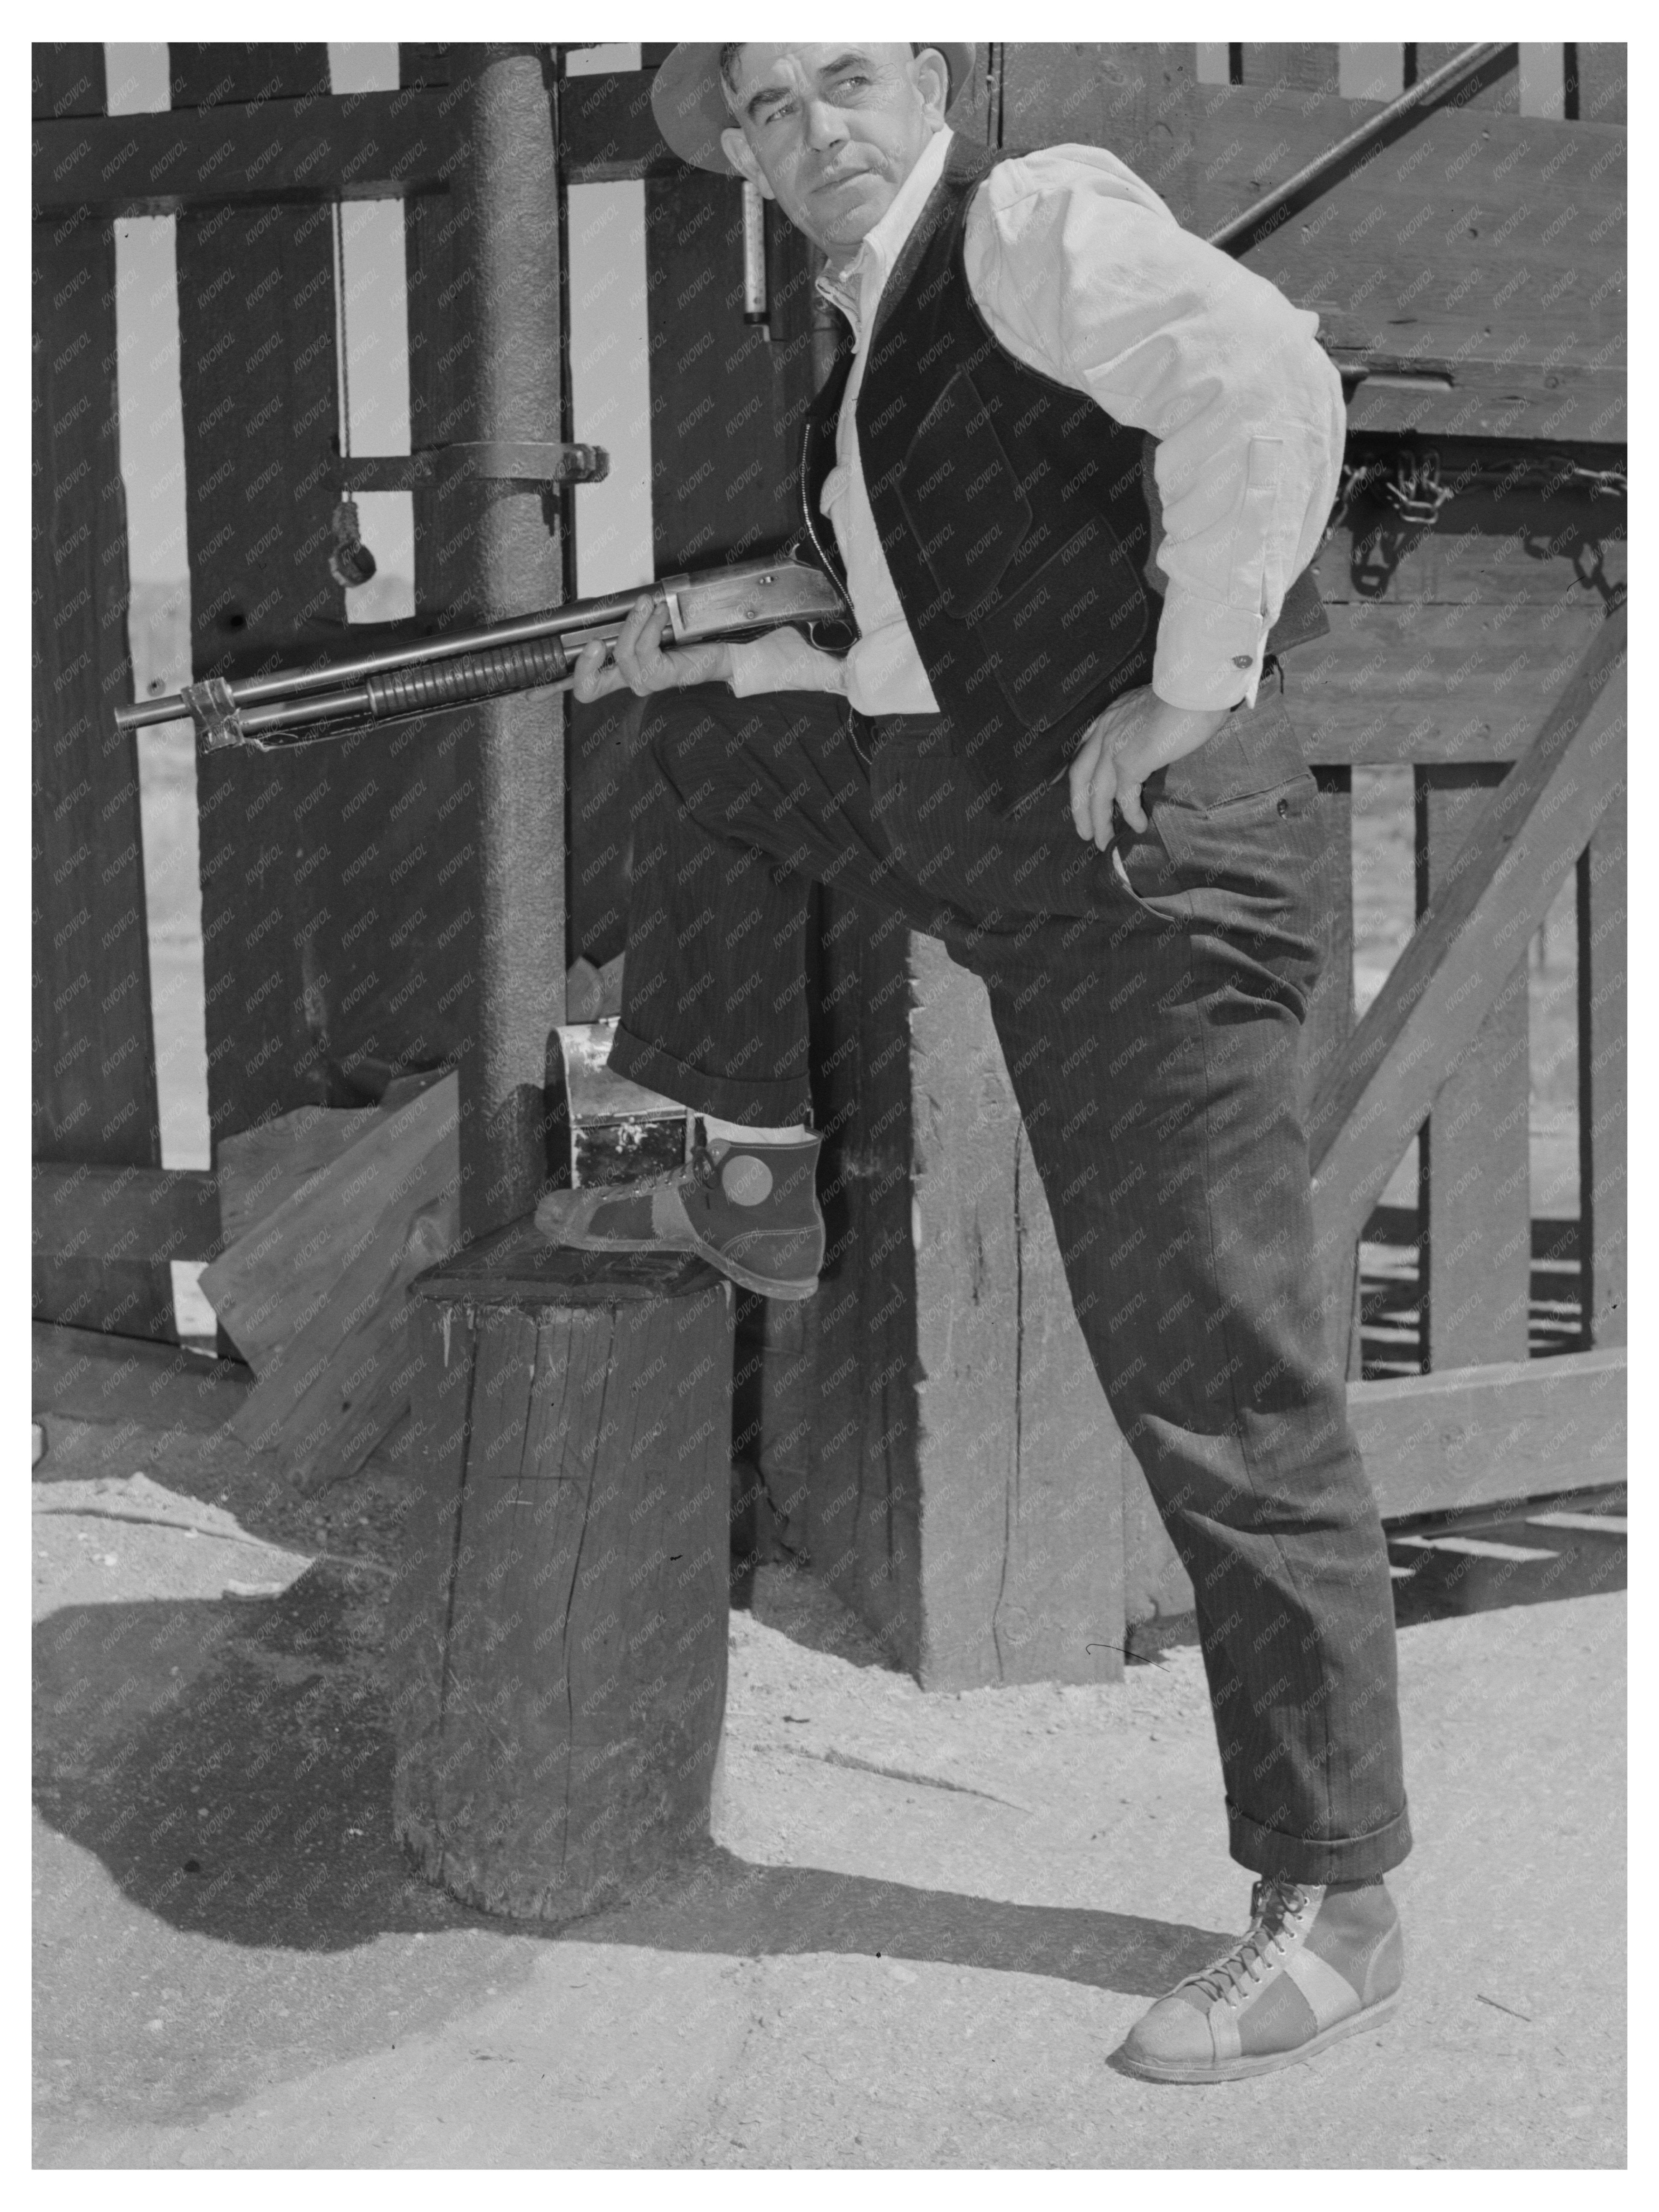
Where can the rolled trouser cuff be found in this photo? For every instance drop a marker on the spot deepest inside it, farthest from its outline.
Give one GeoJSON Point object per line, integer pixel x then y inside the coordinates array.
{"type": "Point", "coordinates": [778, 1104]}
{"type": "Point", "coordinates": [1318, 1859]}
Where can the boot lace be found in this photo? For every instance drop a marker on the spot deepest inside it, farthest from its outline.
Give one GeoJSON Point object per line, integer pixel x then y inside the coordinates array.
{"type": "Point", "coordinates": [1246, 1963]}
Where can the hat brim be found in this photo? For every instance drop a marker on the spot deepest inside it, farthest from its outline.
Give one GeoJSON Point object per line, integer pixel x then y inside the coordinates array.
{"type": "Point", "coordinates": [689, 101]}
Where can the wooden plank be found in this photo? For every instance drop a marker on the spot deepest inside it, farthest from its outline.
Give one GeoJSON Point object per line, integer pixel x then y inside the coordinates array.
{"type": "Point", "coordinates": [226, 153]}
{"type": "Point", "coordinates": [131, 1214]}
{"type": "Point", "coordinates": [1473, 1159]}
{"type": "Point", "coordinates": [1493, 1435]}
{"type": "Point", "coordinates": [288, 1268]}
{"type": "Point", "coordinates": [260, 1168]}
{"type": "Point", "coordinates": [1603, 1076]}
{"type": "Point", "coordinates": [1497, 890]}
{"type": "Point", "coordinates": [518, 1266]}
{"type": "Point", "coordinates": [1433, 685]}
{"type": "Point", "coordinates": [343, 1381]}
{"type": "Point", "coordinates": [92, 1076]}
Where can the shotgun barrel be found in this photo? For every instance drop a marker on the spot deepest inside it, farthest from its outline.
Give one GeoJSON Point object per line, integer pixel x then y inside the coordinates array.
{"type": "Point", "coordinates": [430, 674]}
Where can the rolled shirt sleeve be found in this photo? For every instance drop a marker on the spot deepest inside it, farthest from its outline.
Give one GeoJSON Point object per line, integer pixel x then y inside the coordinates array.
{"type": "Point", "coordinates": [1082, 271]}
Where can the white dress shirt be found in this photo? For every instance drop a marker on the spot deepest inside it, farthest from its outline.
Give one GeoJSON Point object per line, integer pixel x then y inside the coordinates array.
{"type": "Point", "coordinates": [1081, 271]}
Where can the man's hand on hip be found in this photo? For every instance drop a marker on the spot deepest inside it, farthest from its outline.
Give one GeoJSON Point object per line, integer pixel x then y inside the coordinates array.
{"type": "Point", "coordinates": [1137, 733]}
{"type": "Point", "coordinates": [641, 664]}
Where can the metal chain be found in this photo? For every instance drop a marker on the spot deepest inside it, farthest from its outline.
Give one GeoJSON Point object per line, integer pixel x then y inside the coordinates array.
{"type": "Point", "coordinates": [1418, 492]}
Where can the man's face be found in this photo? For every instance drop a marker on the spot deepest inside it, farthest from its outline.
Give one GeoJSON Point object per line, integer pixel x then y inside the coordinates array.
{"type": "Point", "coordinates": [830, 132]}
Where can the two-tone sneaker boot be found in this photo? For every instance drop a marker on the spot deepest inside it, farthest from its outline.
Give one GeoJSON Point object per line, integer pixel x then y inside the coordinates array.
{"type": "Point", "coordinates": [1316, 1964]}
{"type": "Point", "coordinates": [750, 1210]}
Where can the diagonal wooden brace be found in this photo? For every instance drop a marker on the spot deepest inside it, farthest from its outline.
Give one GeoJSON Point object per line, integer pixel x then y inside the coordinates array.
{"type": "Point", "coordinates": [1476, 926]}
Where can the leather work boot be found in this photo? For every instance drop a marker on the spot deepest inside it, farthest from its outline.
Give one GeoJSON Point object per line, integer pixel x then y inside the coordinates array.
{"type": "Point", "coordinates": [1317, 1964]}
{"type": "Point", "coordinates": [749, 1209]}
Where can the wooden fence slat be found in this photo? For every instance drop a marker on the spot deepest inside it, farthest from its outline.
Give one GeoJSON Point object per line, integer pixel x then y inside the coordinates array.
{"type": "Point", "coordinates": [370, 145]}
{"type": "Point", "coordinates": [1600, 79]}
{"type": "Point", "coordinates": [93, 1077]}
{"type": "Point", "coordinates": [1492, 1435]}
{"type": "Point", "coordinates": [1498, 890]}
{"type": "Point", "coordinates": [256, 348]}
{"type": "Point", "coordinates": [1603, 1075]}
{"type": "Point", "coordinates": [1474, 1149]}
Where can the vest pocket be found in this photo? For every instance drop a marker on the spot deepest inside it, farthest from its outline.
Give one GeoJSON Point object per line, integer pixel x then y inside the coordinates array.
{"type": "Point", "coordinates": [962, 499]}
{"type": "Point", "coordinates": [1058, 639]}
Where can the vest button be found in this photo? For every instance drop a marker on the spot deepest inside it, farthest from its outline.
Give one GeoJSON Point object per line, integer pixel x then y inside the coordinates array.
{"type": "Point", "coordinates": [1284, 808]}
{"type": "Point", "coordinates": [1241, 659]}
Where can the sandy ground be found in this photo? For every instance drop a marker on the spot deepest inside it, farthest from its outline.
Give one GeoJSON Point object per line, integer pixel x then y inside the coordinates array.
{"type": "Point", "coordinates": [921, 1926]}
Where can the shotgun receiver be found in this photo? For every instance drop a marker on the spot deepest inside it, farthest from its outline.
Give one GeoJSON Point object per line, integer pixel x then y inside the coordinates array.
{"type": "Point", "coordinates": [529, 653]}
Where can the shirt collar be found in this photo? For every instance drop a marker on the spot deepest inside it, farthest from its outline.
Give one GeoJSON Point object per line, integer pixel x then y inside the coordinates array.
{"type": "Point", "coordinates": [859, 286]}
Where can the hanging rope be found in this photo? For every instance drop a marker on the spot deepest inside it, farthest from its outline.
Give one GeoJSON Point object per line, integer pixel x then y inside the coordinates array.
{"type": "Point", "coordinates": [349, 561]}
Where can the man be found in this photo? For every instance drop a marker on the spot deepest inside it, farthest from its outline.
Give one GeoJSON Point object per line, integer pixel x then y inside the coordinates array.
{"type": "Point", "coordinates": [1081, 461]}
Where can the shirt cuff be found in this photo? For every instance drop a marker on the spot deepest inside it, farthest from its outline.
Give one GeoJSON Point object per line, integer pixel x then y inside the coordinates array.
{"type": "Point", "coordinates": [1207, 656]}
{"type": "Point", "coordinates": [782, 660]}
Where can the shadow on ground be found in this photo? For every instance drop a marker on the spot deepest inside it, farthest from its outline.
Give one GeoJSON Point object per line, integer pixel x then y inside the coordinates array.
{"type": "Point", "coordinates": [229, 1763]}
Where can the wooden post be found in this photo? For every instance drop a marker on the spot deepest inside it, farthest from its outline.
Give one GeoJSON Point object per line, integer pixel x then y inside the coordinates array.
{"type": "Point", "coordinates": [1474, 1199]}
{"type": "Point", "coordinates": [557, 1634]}
{"type": "Point", "coordinates": [93, 1067]}
{"type": "Point", "coordinates": [1603, 1075]}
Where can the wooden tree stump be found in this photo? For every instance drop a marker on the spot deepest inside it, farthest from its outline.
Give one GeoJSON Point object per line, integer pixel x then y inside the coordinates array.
{"type": "Point", "coordinates": [558, 1629]}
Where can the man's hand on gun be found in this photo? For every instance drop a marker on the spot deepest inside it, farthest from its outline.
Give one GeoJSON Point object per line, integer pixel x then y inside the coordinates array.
{"type": "Point", "coordinates": [637, 661]}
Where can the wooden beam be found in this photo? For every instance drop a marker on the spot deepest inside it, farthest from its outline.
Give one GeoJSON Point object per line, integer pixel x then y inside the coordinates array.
{"type": "Point", "coordinates": [1493, 1435]}
{"type": "Point", "coordinates": [131, 1214]}
{"type": "Point", "coordinates": [357, 146]}
{"type": "Point", "coordinates": [1495, 893]}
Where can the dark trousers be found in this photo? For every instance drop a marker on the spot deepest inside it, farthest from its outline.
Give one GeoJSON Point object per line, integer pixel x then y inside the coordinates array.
{"type": "Point", "coordinates": [1151, 1030]}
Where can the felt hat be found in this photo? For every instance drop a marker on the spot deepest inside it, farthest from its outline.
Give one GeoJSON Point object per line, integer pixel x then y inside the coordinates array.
{"type": "Point", "coordinates": [689, 101]}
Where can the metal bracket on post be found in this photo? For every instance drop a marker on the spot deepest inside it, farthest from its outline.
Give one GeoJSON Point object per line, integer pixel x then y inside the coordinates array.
{"type": "Point", "coordinates": [530, 462]}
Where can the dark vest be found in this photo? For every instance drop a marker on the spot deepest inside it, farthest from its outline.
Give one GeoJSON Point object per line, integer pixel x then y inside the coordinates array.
{"type": "Point", "coordinates": [1017, 517]}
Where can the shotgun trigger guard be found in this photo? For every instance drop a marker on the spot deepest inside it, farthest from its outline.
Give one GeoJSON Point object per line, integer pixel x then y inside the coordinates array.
{"type": "Point", "coordinates": [213, 709]}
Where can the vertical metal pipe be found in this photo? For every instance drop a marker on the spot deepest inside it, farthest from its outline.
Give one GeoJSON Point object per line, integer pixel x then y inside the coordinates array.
{"type": "Point", "coordinates": [511, 311]}
{"type": "Point", "coordinates": [756, 308]}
